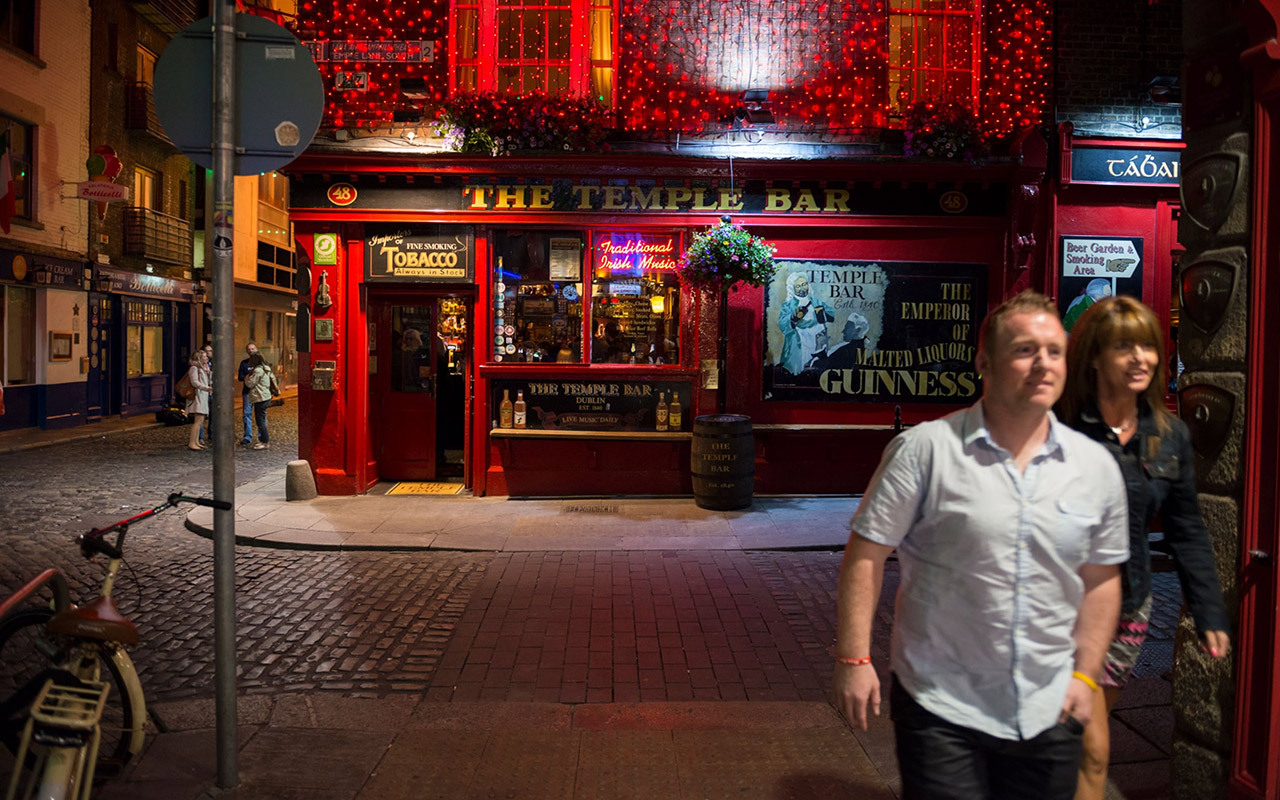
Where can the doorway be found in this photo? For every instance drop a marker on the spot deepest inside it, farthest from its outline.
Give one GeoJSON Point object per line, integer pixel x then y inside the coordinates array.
{"type": "Point", "coordinates": [420, 385]}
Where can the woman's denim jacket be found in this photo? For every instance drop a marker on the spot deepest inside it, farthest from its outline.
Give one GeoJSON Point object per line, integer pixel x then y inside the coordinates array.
{"type": "Point", "coordinates": [1159, 476]}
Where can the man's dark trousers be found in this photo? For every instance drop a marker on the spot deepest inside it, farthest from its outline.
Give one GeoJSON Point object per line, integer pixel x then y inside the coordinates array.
{"type": "Point", "coordinates": [940, 760]}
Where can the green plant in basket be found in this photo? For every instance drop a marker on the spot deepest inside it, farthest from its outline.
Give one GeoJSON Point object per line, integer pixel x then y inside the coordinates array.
{"type": "Point", "coordinates": [726, 255]}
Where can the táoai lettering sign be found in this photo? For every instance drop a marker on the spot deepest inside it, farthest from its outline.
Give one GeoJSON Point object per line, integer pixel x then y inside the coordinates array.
{"type": "Point", "coordinates": [426, 253]}
{"type": "Point", "coordinates": [1125, 165]}
{"type": "Point", "coordinates": [632, 255]}
{"type": "Point", "coordinates": [597, 405]}
{"type": "Point", "coordinates": [873, 331]}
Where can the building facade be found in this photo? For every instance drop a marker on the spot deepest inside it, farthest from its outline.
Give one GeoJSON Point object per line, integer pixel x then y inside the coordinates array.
{"type": "Point", "coordinates": [44, 111]}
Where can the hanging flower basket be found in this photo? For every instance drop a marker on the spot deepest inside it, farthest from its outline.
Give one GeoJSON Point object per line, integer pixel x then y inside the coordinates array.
{"type": "Point", "coordinates": [724, 256]}
{"type": "Point", "coordinates": [945, 131]}
{"type": "Point", "coordinates": [499, 124]}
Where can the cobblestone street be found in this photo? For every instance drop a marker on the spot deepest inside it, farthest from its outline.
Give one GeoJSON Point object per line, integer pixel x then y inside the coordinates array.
{"type": "Point", "coordinates": [561, 627]}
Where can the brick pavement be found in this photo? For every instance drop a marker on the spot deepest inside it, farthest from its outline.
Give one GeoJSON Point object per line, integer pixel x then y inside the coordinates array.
{"type": "Point", "coordinates": [596, 627]}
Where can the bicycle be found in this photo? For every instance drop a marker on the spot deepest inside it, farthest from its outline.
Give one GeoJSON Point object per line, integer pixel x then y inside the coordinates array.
{"type": "Point", "coordinates": [71, 705]}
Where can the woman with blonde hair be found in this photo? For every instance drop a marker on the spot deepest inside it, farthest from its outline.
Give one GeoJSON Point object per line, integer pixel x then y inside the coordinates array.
{"type": "Point", "coordinates": [1115, 395]}
{"type": "Point", "coordinates": [198, 405]}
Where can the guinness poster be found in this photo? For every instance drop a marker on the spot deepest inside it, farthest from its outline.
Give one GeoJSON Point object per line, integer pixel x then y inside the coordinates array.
{"type": "Point", "coordinates": [873, 331]}
{"type": "Point", "coordinates": [418, 253]}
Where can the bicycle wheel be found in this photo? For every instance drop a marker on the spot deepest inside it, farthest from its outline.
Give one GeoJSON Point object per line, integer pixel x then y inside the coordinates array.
{"type": "Point", "coordinates": [26, 650]}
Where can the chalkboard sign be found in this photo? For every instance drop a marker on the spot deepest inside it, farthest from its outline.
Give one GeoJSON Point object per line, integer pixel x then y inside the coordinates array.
{"type": "Point", "coordinates": [595, 405]}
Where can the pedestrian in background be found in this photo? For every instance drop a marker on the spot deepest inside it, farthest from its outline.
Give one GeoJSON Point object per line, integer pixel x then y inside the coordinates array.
{"type": "Point", "coordinates": [1115, 396]}
{"type": "Point", "coordinates": [1009, 528]}
{"type": "Point", "coordinates": [198, 406]}
{"type": "Point", "coordinates": [258, 382]}
{"type": "Point", "coordinates": [249, 350]}
{"type": "Point", "coordinates": [206, 428]}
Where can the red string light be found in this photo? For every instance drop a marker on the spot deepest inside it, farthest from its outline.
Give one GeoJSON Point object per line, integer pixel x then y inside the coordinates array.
{"type": "Point", "coordinates": [682, 64]}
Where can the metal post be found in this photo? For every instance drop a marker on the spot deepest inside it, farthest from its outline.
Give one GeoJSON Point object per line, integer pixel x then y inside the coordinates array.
{"type": "Point", "coordinates": [224, 380]}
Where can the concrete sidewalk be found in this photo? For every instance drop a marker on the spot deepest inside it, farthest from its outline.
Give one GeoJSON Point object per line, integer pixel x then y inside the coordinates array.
{"type": "Point", "coordinates": [455, 522]}
{"type": "Point", "coordinates": [324, 746]}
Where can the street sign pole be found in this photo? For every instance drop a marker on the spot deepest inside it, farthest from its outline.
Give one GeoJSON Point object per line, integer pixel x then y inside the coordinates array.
{"type": "Point", "coordinates": [224, 465]}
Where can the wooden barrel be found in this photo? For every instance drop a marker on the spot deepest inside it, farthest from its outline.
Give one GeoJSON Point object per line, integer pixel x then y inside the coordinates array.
{"type": "Point", "coordinates": [723, 461]}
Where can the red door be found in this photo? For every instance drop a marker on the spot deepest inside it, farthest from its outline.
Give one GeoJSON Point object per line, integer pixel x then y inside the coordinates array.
{"type": "Point", "coordinates": [403, 384]}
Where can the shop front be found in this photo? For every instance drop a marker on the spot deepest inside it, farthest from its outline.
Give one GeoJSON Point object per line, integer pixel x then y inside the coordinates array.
{"type": "Point", "coordinates": [1115, 226]}
{"type": "Point", "coordinates": [140, 339]}
{"type": "Point", "coordinates": [524, 328]}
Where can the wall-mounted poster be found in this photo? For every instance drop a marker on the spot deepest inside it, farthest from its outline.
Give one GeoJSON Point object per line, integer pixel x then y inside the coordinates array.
{"type": "Point", "coordinates": [873, 331]}
{"type": "Point", "coordinates": [1094, 267]}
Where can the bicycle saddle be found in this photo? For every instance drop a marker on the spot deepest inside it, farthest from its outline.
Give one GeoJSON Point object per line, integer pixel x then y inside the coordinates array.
{"type": "Point", "coordinates": [98, 619]}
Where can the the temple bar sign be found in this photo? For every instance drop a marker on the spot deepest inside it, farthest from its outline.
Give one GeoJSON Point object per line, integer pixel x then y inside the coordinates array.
{"type": "Point", "coordinates": [431, 253]}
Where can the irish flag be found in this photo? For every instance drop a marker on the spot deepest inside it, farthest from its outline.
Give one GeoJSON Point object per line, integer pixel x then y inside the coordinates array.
{"type": "Point", "coordinates": [6, 183]}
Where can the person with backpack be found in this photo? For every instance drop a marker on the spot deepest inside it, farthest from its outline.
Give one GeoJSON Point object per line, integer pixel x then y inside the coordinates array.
{"type": "Point", "coordinates": [258, 382]}
{"type": "Point", "coordinates": [198, 404]}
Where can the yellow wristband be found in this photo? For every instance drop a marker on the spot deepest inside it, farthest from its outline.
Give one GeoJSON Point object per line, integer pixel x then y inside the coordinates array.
{"type": "Point", "coordinates": [1086, 680]}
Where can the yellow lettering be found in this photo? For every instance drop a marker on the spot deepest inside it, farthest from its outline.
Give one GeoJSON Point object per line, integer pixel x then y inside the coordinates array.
{"type": "Point", "coordinates": [677, 196]}
{"type": "Point", "coordinates": [806, 202]}
{"type": "Point", "coordinates": [586, 196]}
{"type": "Point", "coordinates": [646, 201]}
{"type": "Point", "coordinates": [837, 200]}
{"type": "Point", "coordinates": [778, 200]}
{"type": "Point", "coordinates": [730, 200]}
{"type": "Point", "coordinates": [479, 196]}
{"type": "Point", "coordinates": [700, 201]}
{"type": "Point", "coordinates": [614, 198]}
{"type": "Point", "coordinates": [540, 197]}
{"type": "Point", "coordinates": [509, 197]}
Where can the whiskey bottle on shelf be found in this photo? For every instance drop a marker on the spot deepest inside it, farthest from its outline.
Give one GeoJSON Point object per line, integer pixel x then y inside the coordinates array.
{"type": "Point", "coordinates": [505, 410]}
{"type": "Point", "coordinates": [675, 414]}
{"type": "Point", "coordinates": [521, 410]}
{"type": "Point", "coordinates": [663, 411]}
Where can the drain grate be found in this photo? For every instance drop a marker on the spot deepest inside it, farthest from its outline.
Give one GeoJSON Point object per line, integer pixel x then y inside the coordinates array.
{"type": "Point", "coordinates": [589, 508]}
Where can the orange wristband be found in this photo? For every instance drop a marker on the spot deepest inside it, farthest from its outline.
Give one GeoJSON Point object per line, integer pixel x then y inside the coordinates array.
{"type": "Point", "coordinates": [853, 662]}
{"type": "Point", "coordinates": [1086, 680]}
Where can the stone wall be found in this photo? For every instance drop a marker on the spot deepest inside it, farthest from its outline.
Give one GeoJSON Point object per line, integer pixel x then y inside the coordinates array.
{"type": "Point", "coordinates": [1214, 271]}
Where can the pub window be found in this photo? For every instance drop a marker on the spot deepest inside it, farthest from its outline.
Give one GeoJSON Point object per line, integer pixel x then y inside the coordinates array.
{"type": "Point", "coordinates": [933, 52]}
{"type": "Point", "coordinates": [18, 329]}
{"type": "Point", "coordinates": [20, 137]}
{"type": "Point", "coordinates": [144, 338]}
{"type": "Point", "coordinates": [635, 299]}
{"type": "Point", "coordinates": [18, 24]}
{"type": "Point", "coordinates": [537, 296]}
{"type": "Point", "coordinates": [528, 46]}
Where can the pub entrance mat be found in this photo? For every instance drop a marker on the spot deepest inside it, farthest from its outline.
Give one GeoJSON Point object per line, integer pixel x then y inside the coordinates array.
{"type": "Point", "coordinates": [425, 487]}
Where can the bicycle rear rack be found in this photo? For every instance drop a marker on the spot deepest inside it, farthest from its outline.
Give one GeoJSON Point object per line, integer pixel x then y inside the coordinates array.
{"type": "Point", "coordinates": [63, 717]}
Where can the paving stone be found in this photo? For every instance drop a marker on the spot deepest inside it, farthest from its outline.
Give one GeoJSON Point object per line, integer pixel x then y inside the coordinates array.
{"type": "Point", "coordinates": [427, 765]}
{"type": "Point", "coordinates": [336, 761]}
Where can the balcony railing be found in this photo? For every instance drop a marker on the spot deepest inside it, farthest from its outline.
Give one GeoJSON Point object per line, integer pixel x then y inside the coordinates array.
{"type": "Point", "coordinates": [170, 16]}
{"type": "Point", "coordinates": [150, 234]}
{"type": "Point", "coordinates": [140, 111]}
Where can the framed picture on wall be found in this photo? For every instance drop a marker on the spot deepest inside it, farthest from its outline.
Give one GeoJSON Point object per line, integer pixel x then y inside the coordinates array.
{"type": "Point", "coordinates": [59, 345]}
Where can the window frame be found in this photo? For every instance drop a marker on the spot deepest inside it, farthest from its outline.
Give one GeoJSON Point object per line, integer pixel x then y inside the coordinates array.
{"type": "Point", "coordinates": [22, 162]}
{"type": "Point", "coordinates": [30, 27]}
{"type": "Point", "coordinates": [155, 195]}
{"type": "Point", "coordinates": [146, 316]}
{"type": "Point", "coordinates": [486, 63]}
{"type": "Point", "coordinates": [909, 72]}
{"type": "Point", "coordinates": [587, 282]}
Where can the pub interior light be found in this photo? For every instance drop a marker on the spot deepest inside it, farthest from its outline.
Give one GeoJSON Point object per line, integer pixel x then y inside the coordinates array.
{"type": "Point", "coordinates": [657, 304]}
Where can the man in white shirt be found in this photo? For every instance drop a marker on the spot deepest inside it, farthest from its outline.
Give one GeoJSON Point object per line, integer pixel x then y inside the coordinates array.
{"type": "Point", "coordinates": [1009, 528]}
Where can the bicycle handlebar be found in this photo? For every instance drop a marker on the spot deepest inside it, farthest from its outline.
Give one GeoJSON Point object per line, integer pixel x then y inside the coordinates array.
{"type": "Point", "coordinates": [92, 543]}
{"type": "Point", "coordinates": [176, 498]}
